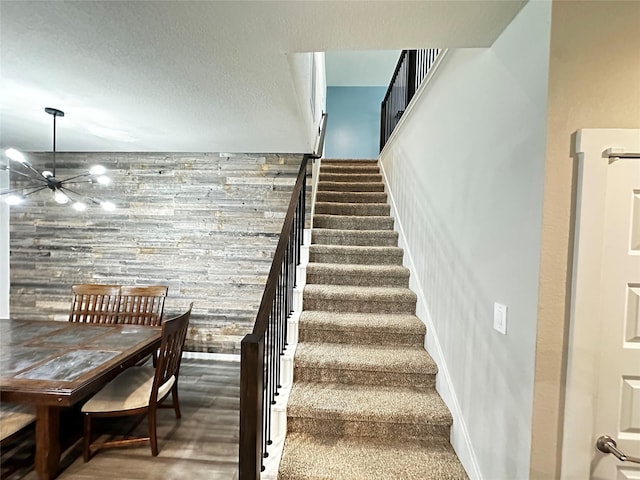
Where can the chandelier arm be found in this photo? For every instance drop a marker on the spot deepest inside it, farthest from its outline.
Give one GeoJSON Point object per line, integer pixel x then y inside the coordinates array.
{"type": "Point", "coordinates": [30, 177]}
{"type": "Point", "coordinates": [66, 182]}
{"type": "Point", "coordinates": [67, 189]}
{"type": "Point", "coordinates": [94, 200]}
{"type": "Point", "coordinates": [86, 174]}
{"type": "Point", "coordinates": [38, 174]}
{"type": "Point", "coordinates": [33, 189]}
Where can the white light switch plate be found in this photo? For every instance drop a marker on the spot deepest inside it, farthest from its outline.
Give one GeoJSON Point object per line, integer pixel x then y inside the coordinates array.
{"type": "Point", "coordinates": [500, 318]}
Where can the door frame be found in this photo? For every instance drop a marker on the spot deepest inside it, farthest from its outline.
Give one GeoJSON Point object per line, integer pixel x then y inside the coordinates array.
{"type": "Point", "coordinates": [578, 442]}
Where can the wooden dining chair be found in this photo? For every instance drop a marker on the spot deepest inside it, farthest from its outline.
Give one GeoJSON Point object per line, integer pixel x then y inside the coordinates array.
{"type": "Point", "coordinates": [140, 390]}
{"type": "Point", "coordinates": [142, 305]}
{"type": "Point", "coordinates": [94, 303]}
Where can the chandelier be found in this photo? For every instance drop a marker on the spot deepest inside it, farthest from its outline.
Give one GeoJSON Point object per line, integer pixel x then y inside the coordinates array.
{"type": "Point", "coordinates": [63, 189]}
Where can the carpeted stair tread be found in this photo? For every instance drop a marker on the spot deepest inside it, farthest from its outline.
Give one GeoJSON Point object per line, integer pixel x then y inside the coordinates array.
{"type": "Point", "coordinates": [329, 186]}
{"type": "Point", "coordinates": [346, 292]}
{"type": "Point", "coordinates": [358, 274]}
{"type": "Point", "coordinates": [352, 222]}
{"type": "Point", "coordinates": [351, 168]}
{"type": "Point", "coordinates": [346, 298]}
{"type": "Point", "coordinates": [357, 209]}
{"type": "Point", "coordinates": [334, 236]}
{"type": "Point", "coordinates": [350, 177]}
{"type": "Point", "coordinates": [354, 249]}
{"type": "Point", "coordinates": [362, 322]}
{"type": "Point", "coordinates": [349, 161]}
{"type": "Point", "coordinates": [352, 197]}
{"type": "Point", "coordinates": [308, 457]}
{"type": "Point", "coordinates": [355, 254]}
{"type": "Point", "coordinates": [376, 403]}
{"type": "Point", "coordinates": [361, 328]}
{"type": "Point", "coordinates": [371, 358]}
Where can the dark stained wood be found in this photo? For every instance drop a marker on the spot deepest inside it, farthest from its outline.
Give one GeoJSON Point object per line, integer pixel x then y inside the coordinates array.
{"type": "Point", "coordinates": [56, 364]}
{"type": "Point", "coordinates": [174, 333]}
{"type": "Point", "coordinates": [94, 303]}
{"type": "Point", "coordinates": [203, 444]}
{"type": "Point", "coordinates": [47, 441]}
{"type": "Point", "coordinates": [251, 406]}
{"type": "Point", "coordinates": [142, 305]}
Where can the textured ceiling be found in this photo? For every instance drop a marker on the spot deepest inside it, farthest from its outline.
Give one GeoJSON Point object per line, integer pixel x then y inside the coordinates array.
{"type": "Point", "coordinates": [196, 75]}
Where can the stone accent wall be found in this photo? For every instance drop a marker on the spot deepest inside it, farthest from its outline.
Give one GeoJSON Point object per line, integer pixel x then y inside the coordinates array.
{"type": "Point", "coordinates": [205, 224]}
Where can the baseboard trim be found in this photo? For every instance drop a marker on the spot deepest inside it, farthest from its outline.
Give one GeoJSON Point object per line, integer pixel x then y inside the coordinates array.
{"type": "Point", "coordinates": [460, 439]}
{"type": "Point", "coordinates": [218, 357]}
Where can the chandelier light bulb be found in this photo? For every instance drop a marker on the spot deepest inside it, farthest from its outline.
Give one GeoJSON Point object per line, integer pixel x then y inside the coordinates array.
{"type": "Point", "coordinates": [14, 199]}
{"type": "Point", "coordinates": [60, 197]}
{"type": "Point", "coordinates": [47, 174]}
{"type": "Point", "coordinates": [15, 155]}
{"type": "Point", "coordinates": [108, 206]}
{"type": "Point", "coordinates": [97, 170]}
{"type": "Point", "coordinates": [79, 206]}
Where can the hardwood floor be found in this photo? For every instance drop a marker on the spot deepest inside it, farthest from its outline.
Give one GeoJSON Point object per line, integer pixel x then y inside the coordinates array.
{"type": "Point", "coordinates": [201, 445]}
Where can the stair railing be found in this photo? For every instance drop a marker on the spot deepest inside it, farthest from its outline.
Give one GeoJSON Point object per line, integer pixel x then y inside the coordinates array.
{"type": "Point", "coordinates": [260, 351]}
{"type": "Point", "coordinates": [411, 69]}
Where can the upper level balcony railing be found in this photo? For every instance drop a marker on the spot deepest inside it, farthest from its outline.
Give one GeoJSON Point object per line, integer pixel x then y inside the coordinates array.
{"type": "Point", "coordinates": [411, 69]}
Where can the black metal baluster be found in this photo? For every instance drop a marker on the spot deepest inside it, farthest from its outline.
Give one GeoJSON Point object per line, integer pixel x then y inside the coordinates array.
{"type": "Point", "coordinates": [266, 408]}
{"type": "Point", "coordinates": [277, 349]}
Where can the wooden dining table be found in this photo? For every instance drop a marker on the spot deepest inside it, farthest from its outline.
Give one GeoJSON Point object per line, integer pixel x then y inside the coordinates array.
{"type": "Point", "coordinates": [53, 365]}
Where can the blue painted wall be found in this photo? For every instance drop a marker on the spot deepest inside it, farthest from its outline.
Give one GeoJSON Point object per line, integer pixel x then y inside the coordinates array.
{"type": "Point", "coordinates": [353, 127]}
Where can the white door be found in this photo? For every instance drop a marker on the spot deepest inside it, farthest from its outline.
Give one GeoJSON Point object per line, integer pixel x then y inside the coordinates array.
{"type": "Point", "coordinates": [603, 368]}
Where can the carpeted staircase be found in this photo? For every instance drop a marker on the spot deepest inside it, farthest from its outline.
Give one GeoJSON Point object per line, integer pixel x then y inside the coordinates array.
{"type": "Point", "coordinates": [363, 404]}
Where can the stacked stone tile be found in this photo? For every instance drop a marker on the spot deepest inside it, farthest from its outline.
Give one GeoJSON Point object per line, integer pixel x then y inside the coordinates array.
{"type": "Point", "coordinates": [363, 404]}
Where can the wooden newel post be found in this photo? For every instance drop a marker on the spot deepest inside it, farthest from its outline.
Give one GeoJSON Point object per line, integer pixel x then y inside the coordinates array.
{"type": "Point", "coordinates": [251, 398]}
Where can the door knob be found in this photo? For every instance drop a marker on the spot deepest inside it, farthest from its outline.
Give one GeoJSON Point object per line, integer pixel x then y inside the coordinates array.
{"type": "Point", "coordinates": [606, 444]}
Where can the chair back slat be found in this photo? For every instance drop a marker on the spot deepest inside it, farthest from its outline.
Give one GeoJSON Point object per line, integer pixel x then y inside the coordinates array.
{"type": "Point", "coordinates": [93, 303]}
{"type": "Point", "coordinates": [174, 334]}
{"type": "Point", "coordinates": [142, 305]}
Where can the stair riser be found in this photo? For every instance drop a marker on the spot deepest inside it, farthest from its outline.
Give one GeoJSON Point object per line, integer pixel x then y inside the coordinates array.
{"type": "Point", "coordinates": [388, 238]}
{"type": "Point", "coordinates": [367, 209]}
{"type": "Point", "coordinates": [371, 429]}
{"type": "Point", "coordinates": [357, 259]}
{"type": "Point", "coordinates": [350, 197]}
{"type": "Point", "coordinates": [360, 338]}
{"type": "Point", "coordinates": [338, 222]}
{"type": "Point", "coordinates": [350, 377]}
{"type": "Point", "coordinates": [350, 177]}
{"type": "Point", "coordinates": [359, 280]}
{"type": "Point", "coordinates": [350, 187]}
{"type": "Point", "coordinates": [339, 305]}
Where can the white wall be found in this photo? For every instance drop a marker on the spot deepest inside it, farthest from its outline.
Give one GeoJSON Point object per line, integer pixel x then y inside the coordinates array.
{"type": "Point", "coordinates": [465, 173]}
{"type": "Point", "coordinates": [306, 86]}
{"type": "Point", "coordinates": [4, 250]}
